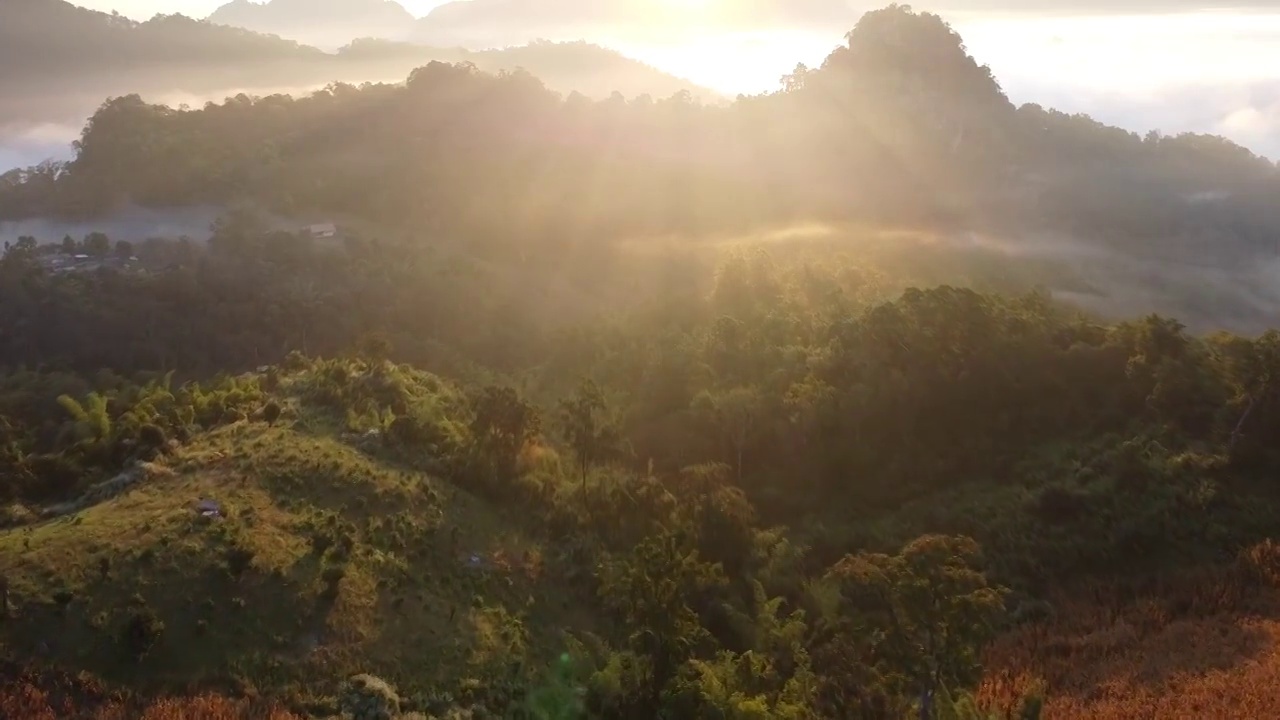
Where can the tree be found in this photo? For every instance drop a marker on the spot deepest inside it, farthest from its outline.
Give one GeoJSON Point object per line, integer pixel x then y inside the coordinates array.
{"type": "Point", "coordinates": [652, 590]}
{"type": "Point", "coordinates": [587, 429]}
{"type": "Point", "coordinates": [719, 515]}
{"type": "Point", "coordinates": [795, 80]}
{"type": "Point", "coordinates": [374, 347]}
{"type": "Point", "coordinates": [24, 248]}
{"type": "Point", "coordinates": [69, 245]}
{"type": "Point", "coordinates": [97, 245]}
{"type": "Point", "coordinates": [735, 414]}
{"type": "Point", "coordinates": [124, 249]}
{"type": "Point", "coordinates": [922, 617]}
{"type": "Point", "coordinates": [501, 425]}
{"type": "Point", "coordinates": [237, 232]}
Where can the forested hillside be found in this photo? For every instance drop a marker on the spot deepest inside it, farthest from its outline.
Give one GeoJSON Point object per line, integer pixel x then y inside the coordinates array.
{"type": "Point", "coordinates": [67, 52]}
{"type": "Point", "coordinates": [556, 429]}
{"type": "Point", "coordinates": [716, 462]}
{"type": "Point", "coordinates": [900, 125]}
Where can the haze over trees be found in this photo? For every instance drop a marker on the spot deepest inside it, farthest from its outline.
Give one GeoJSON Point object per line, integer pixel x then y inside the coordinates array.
{"type": "Point", "coordinates": [329, 24]}
{"type": "Point", "coordinates": [557, 426]}
{"type": "Point", "coordinates": [911, 130]}
{"type": "Point", "coordinates": [71, 58]}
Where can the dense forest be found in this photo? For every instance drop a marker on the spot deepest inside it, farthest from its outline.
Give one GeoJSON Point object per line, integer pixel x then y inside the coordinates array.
{"type": "Point", "coordinates": [900, 125]}
{"type": "Point", "coordinates": [509, 453]}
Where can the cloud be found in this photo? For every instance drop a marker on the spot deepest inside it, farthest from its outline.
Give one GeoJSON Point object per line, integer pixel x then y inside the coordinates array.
{"type": "Point", "coordinates": [25, 144]}
{"type": "Point", "coordinates": [1245, 112]}
{"type": "Point", "coordinates": [522, 20]}
{"type": "Point", "coordinates": [328, 25]}
{"type": "Point", "coordinates": [564, 18]}
{"type": "Point", "coordinates": [1092, 7]}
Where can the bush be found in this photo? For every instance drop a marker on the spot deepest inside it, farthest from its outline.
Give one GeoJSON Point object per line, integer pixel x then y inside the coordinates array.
{"type": "Point", "coordinates": [271, 412]}
{"type": "Point", "coordinates": [367, 697]}
{"type": "Point", "coordinates": [151, 438]}
{"type": "Point", "coordinates": [141, 633]}
{"type": "Point", "coordinates": [239, 558]}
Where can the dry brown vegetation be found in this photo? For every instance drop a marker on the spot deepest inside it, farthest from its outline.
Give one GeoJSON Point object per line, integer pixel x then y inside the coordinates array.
{"type": "Point", "coordinates": [1205, 644]}
{"type": "Point", "coordinates": [59, 696]}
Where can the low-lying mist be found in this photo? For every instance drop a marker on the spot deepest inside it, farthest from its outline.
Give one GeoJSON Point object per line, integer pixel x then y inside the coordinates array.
{"type": "Point", "coordinates": [1101, 282]}
{"type": "Point", "coordinates": [133, 224]}
{"type": "Point", "coordinates": [1105, 283]}
{"type": "Point", "coordinates": [42, 127]}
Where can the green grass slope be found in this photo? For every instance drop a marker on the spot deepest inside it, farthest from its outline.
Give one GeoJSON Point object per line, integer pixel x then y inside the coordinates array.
{"type": "Point", "coordinates": [331, 558]}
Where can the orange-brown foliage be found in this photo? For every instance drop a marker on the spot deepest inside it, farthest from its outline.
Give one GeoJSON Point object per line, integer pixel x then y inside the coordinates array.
{"type": "Point", "coordinates": [1206, 644]}
{"type": "Point", "coordinates": [57, 696]}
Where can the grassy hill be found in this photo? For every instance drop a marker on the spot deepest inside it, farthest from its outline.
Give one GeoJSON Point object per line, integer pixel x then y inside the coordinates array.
{"type": "Point", "coordinates": [329, 558]}
{"type": "Point", "coordinates": [376, 518]}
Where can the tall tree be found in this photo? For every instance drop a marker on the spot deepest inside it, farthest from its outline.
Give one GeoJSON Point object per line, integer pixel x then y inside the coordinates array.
{"type": "Point", "coordinates": [587, 428]}
{"type": "Point", "coordinates": [97, 244]}
{"type": "Point", "coordinates": [922, 616]}
{"type": "Point", "coordinates": [502, 423]}
{"type": "Point", "coordinates": [652, 590]}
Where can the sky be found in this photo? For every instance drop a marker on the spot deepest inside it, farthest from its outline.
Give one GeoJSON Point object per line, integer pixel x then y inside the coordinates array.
{"type": "Point", "coordinates": [1140, 64]}
{"type": "Point", "coordinates": [145, 9]}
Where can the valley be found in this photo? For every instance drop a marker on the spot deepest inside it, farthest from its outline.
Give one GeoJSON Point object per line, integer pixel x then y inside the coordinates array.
{"type": "Point", "coordinates": [460, 394]}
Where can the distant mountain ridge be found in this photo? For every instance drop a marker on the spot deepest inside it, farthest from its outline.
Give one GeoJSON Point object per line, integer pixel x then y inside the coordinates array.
{"type": "Point", "coordinates": [71, 59]}
{"type": "Point", "coordinates": [325, 24]}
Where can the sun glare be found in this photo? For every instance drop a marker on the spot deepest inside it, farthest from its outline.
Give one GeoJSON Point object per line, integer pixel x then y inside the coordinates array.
{"type": "Point", "coordinates": [732, 63]}
{"type": "Point", "coordinates": [688, 4]}
{"type": "Point", "coordinates": [688, 9]}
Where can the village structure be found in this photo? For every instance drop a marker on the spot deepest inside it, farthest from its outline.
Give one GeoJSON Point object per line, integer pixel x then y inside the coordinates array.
{"type": "Point", "coordinates": [59, 259]}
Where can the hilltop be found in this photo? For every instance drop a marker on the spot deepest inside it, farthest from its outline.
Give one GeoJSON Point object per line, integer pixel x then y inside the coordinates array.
{"type": "Point", "coordinates": [331, 552]}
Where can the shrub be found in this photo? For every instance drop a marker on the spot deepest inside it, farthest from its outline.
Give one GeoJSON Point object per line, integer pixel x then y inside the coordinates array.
{"type": "Point", "coordinates": [141, 633]}
{"type": "Point", "coordinates": [151, 439]}
{"type": "Point", "coordinates": [367, 697]}
{"type": "Point", "coordinates": [333, 575]}
{"type": "Point", "coordinates": [271, 412]}
{"type": "Point", "coordinates": [239, 558]}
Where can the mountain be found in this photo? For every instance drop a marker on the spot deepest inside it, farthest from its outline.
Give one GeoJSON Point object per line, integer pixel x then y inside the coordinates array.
{"type": "Point", "coordinates": [900, 126]}
{"type": "Point", "coordinates": [65, 51]}
{"type": "Point", "coordinates": [53, 38]}
{"type": "Point", "coordinates": [73, 58]}
{"type": "Point", "coordinates": [327, 24]}
{"type": "Point", "coordinates": [486, 23]}
{"type": "Point", "coordinates": [565, 67]}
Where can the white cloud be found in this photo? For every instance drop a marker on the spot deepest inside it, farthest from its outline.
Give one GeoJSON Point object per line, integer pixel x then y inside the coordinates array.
{"type": "Point", "coordinates": [1212, 72]}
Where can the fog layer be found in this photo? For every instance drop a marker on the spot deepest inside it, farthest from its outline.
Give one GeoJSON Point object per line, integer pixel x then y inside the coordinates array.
{"type": "Point", "coordinates": [133, 223]}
